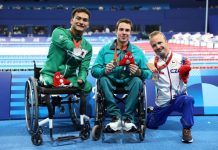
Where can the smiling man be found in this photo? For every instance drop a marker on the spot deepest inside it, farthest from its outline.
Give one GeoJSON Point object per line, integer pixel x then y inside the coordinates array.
{"type": "Point", "coordinates": [70, 54]}
{"type": "Point", "coordinates": [170, 75]}
{"type": "Point", "coordinates": [130, 75]}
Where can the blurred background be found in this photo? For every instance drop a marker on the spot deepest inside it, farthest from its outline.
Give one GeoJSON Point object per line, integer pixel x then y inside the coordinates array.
{"type": "Point", "coordinates": [40, 17]}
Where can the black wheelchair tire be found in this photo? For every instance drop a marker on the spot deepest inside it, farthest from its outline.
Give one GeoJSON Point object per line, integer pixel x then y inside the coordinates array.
{"type": "Point", "coordinates": [31, 105]}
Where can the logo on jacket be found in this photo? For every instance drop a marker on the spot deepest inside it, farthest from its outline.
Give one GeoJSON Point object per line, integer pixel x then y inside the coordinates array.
{"type": "Point", "coordinates": [61, 37]}
{"type": "Point", "coordinates": [174, 70]}
{"type": "Point", "coordinates": [174, 63]}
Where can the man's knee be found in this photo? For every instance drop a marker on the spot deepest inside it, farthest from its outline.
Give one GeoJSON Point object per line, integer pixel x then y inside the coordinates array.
{"type": "Point", "coordinates": [136, 84]}
{"type": "Point", "coordinates": [151, 123]}
{"type": "Point", "coordinates": [189, 100]}
{"type": "Point", "coordinates": [46, 80]}
{"type": "Point", "coordinates": [87, 87]}
{"type": "Point", "coordinates": [103, 80]}
{"type": "Point", "coordinates": [137, 80]}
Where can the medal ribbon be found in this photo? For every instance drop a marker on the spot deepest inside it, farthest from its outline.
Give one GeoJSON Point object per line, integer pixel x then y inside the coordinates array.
{"type": "Point", "coordinates": [159, 68]}
{"type": "Point", "coordinates": [123, 48]}
{"type": "Point", "coordinates": [77, 44]}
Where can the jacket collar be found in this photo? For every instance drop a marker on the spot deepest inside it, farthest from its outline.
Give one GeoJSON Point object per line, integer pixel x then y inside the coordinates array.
{"type": "Point", "coordinates": [75, 37]}
{"type": "Point", "coordinates": [112, 46]}
{"type": "Point", "coordinates": [168, 55]}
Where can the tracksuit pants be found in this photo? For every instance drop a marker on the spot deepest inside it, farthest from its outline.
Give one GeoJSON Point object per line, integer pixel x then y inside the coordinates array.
{"type": "Point", "coordinates": [133, 87]}
{"type": "Point", "coordinates": [182, 103]}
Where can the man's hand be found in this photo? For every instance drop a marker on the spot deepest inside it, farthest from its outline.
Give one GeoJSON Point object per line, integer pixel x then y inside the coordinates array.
{"type": "Point", "coordinates": [184, 73]}
{"type": "Point", "coordinates": [80, 82]}
{"type": "Point", "coordinates": [152, 67]}
{"type": "Point", "coordinates": [109, 67]}
{"type": "Point", "coordinates": [134, 69]}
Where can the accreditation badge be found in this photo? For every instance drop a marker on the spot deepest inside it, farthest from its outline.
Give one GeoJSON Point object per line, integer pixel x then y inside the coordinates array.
{"type": "Point", "coordinates": [83, 53]}
{"type": "Point", "coordinates": [78, 52]}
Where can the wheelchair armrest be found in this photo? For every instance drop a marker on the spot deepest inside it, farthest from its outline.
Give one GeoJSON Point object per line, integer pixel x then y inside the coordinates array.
{"type": "Point", "coordinates": [58, 90]}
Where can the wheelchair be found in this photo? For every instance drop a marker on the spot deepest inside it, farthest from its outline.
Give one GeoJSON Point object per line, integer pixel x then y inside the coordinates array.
{"type": "Point", "coordinates": [37, 95]}
{"type": "Point", "coordinates": [141, 111]}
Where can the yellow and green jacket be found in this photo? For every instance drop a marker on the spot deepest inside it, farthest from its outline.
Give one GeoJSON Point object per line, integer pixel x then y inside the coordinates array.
{"type": "Point", "coordinates": [119, 74]}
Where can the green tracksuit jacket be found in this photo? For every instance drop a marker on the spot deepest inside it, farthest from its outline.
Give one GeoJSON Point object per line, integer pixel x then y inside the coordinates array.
{"type": "Point", "coordinates": [120, 75]}
{"type": "Point", "coordinates": [62, 57]}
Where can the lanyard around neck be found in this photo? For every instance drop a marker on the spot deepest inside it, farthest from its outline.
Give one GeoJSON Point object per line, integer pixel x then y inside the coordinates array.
{"type": "Point", "coordinates": [123, 48]}
{"type": "Point", "coordinates": [76, 43]}
{"type": "Point", "coordinates": [159, 68]}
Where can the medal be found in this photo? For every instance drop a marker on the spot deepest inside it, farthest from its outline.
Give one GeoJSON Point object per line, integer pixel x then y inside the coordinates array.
{"type": "Point", "coordinates": [155, 76]}
{"type": "Point", "coordinates": [164, 65]}
{"type": "Point", "coordinates": [115, 63]}
{"type": "Point", "coordinates": [116, 55]}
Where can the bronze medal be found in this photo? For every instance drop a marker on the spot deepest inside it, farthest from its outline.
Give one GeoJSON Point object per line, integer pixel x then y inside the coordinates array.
{"type": "Point", "coordinates": [115, 63]}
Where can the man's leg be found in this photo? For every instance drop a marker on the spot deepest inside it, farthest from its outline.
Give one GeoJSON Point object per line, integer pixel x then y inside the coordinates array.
{"type": "Point", "coordinates": [85, 88]}
{"type": "Point", "coordinates": [134, 88]}
{"type": "Point", "coordinates": [112, 109]}
{"type": "Point", "coordinates": [185, 105]}
{"type": "Point", "coordinates": [82, 103]}
{"type": "Point", "coordinates": [107, 89]}
{"type": "Point", "coordinates": [46, 80]}
{"type": "Point", "coordinates": [158, 116]}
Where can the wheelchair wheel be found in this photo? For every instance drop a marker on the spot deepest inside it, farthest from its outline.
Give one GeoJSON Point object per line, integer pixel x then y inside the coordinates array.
{"type": "Point", "coordinates": [96, 132]}
{"type": "Point", "coordinates": [99, 106]}
{"type": "Point", "coordinates": [37, 139]}
{"type": "Point", "coordinates": [142, 133]}
{"type": "Point", "coordinates": [31, 105]}
{"type": "Point", "coordinates": [85, 131]}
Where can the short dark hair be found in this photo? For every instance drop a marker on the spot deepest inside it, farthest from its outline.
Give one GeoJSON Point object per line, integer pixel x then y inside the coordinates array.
{"type": "Point", "coordinates": [80, 9]}
{"type": "Point", "coordinates": [125, 20]}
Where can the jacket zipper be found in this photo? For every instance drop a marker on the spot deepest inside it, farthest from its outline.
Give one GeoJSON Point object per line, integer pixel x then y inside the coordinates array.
{"type": "Point", "coordinates": [170, 83]}
{"type": "Point", "coordinates": [65, 71]}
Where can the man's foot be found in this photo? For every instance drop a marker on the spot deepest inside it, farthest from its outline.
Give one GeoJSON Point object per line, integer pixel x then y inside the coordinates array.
{"type": "Point", "coordinates": [114, 125]}
{"type": "Point", "coordinates": [128, 126]}
{"type": "Point", "coordinates": [187, 136]}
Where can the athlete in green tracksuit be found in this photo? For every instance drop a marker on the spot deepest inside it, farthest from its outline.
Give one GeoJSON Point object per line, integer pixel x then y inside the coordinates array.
{"type": "Point", "coordinates": [70, 54]}
{"type": "Point", "coordinates": [130, 76]}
